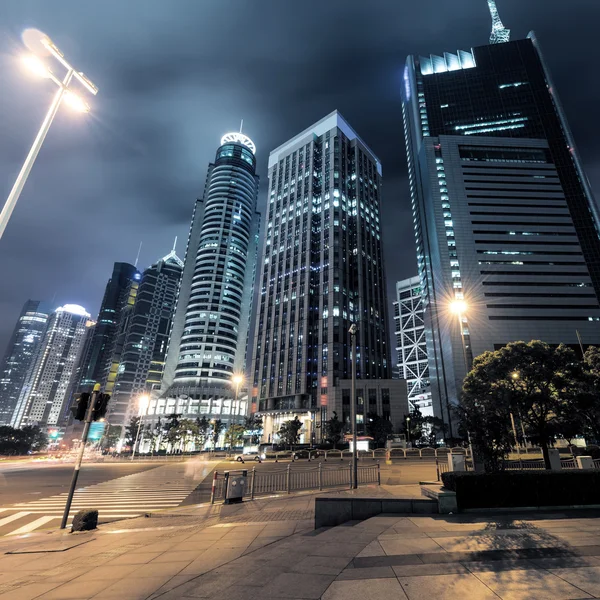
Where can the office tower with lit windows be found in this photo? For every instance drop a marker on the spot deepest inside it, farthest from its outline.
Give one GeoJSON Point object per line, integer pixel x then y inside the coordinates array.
{"type": "Point", "coordinates": [411, 345]}
{"type": "Point", "coordinates": [44, 396]}
{"type": "Point", "coordinates": [145, 332]}
{"type": "Point", "coordinates": [322, 270]}
{"type": "Point", "coordinates": [20, 356]}
{"type": "Point", "coordinates": [209, 336]}
{"type": "Point", "coordinates": [506, 223]}
{"type": "Point", "coordinates": [100, 361]}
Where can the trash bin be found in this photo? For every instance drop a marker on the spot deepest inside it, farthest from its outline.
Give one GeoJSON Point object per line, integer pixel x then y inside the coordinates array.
{"type": "Point", "coordinates": [235, 486]}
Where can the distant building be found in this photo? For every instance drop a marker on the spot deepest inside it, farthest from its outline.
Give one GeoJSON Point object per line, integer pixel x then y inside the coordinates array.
{"type": "Point", "coordinates": [44, 397]}
{"type": "Point", "coordinates": [506, 223]}
{"type": "Point", "coordinates": [209, 337]}
{"type": "Point", "coordinates": [145, 332]}
{"type": "Point", "coordinates": [20, 356]}
{"type": "Point", "coordinates": [97, 364]}
{"type": "Point", "coordinates": [411, 345]}
{"type": "Point", "coordinates": [323, 270]}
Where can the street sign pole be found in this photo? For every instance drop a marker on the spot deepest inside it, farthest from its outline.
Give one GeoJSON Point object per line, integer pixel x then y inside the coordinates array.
{"type": "Point", "coordinates": [84, 437]}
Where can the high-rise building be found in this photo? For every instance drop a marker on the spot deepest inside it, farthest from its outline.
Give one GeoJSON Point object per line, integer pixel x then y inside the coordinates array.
{"type": "Point", "coordinates": [98, 363]}
{"type": "Point", "coordinates": [411, 345]}
{"type": "Point", "coordinates": [145, 331]}
{"type": "Point", "coordinates": [208, 341]}
{"type": "Point", "coordinates": [20, 355]}
{"type": "Point", "coordinates": [43, 399]}
{"type": "Point", "coordinates": [506, 223]}
{"type": "Point", "coordinates": [322, 270]}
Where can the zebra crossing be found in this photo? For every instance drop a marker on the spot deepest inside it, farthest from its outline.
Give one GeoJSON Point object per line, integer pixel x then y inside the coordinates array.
{"type": "Point", "coordinates": [123, 497]}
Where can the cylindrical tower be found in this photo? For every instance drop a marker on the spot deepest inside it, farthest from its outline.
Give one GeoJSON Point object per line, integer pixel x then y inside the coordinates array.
{"type": "Point", "coordinates": [208, 340]}
{"type": "Point", "coordinates": [211, 349]}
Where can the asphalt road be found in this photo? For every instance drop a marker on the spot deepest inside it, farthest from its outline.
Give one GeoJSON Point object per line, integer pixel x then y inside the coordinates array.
{"type": "Point", "coordinates": [32, 480]}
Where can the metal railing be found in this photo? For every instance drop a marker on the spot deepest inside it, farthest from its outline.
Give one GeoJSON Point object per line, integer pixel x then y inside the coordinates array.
{"type": "Point", "coordinates": [518, 465]}
{"type": "Point", "coordinates": [290, 480]}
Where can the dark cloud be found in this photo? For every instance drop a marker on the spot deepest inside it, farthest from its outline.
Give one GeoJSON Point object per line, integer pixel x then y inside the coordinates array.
{"type": "Point", "coordinates": [174, 76]}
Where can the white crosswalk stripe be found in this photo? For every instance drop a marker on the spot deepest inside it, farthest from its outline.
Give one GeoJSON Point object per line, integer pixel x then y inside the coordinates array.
{"type": "Point", "coordinates": [128, 496]}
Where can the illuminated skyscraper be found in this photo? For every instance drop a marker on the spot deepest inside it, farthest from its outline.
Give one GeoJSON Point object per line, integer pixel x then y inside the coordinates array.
{"type": "Point", "coordinates": [323, 270]}
{"type": "Point", "coordinates": [411, 345]}
{"type": "Point", "coordinates": [505, 219]}
{"type": "Point", "coordinates": [209, 336]}
{"type": "Point", "coordinates": [98, 364]}
{"type": "Point", "coordinates": [145, 331]}
{"type": "Point", "coordinates": [43, 398]}
{"type": "Point", "coordinates": [20, 355]}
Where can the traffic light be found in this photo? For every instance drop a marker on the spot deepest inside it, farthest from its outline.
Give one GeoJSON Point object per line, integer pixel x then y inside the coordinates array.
{"type": "Point", "coordinates": [79, 408]}
{"type": "Point", "coordinates": [100, 407]}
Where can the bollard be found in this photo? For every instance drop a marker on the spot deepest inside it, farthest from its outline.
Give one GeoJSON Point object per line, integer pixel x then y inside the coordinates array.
{"type": "Point", "coordinates": [437, 468]}
{"type": "Point", "coordinates": [212, 491]}
{"type": "Point", "coordinates": [225, 484]}
{"type": "Point", "coordinates": [287, 479]}
{"type": "Point", "coordinates": [252, 483]}
{"type": "Point", "coordinates": [320, 476]}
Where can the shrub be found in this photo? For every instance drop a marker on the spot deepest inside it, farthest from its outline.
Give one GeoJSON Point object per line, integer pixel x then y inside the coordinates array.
{"type": "Point", "coordinates": [526, 488]}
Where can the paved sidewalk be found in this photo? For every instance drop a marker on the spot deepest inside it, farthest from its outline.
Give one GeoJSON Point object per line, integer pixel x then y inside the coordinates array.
{"type": "Point", "coordinates": [268, 549]}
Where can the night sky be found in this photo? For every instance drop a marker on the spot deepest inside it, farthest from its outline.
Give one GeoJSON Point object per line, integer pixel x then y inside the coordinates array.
{"type": "Point", "coordinates": [175, 75]}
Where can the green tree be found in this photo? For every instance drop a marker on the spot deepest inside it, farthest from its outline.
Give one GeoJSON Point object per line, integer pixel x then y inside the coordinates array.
{"type": "Point", "coordinates": [413, 428]}
{"type": "Point", "coordinates": [186, 431]}
{"type": "Point", "coordinates": [217, 428]}
{"type": "Point", "coordinates": [378, 428]}
{"type": "Point", "coordinates": [588, 400]}
{"type": "Point", "coordinates": [531, 379]}
{"type": "Point", "coordinates": [289, 432]}
{"type": "Point", "coordinates": [131, 430]}
{"type": "Point", "coordinates": [35, 437]}
{"type": "Point", "coordinates": [254, 428]}
{"type": "Point", "coordinates": [436, 428]}
{"type": "Point", "coordinates": [21, 441]}
{"type": "Point", "coordinates": [202, 431]}
{"type": "Point", "coordinates": [234, 435]}
{"type": "Point", "coordinates": [334, 430]}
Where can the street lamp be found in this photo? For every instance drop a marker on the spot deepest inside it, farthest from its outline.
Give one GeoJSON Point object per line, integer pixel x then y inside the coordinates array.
{"type": "Point", "coordinates": [237, 379]}
{"type": "Point", "coordinates": [352, 331]}
{"type": "Point", "coordinates": [143, 402]}
{"type": "Point", "coordinates": [38, 68]}
{"type": "Point", "coordinates": [459, 307]}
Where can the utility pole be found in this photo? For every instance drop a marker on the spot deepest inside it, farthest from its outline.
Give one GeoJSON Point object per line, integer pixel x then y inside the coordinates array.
{"type": "Point", "coordinates": [353, 329]}
{"type": "Point", "coordinates": [84, 437]}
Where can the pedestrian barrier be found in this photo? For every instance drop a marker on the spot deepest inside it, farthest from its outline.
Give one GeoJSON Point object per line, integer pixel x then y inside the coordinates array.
{"type": "Point", "coordinates": [292, 479]}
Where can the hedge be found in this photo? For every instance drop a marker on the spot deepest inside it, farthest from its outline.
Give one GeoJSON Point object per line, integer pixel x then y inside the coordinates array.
{"type": "Point", "coordinates": [526, 488]}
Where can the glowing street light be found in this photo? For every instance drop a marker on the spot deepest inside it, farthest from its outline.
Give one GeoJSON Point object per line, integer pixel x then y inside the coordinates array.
{"type": "Point", "coordinates": [43, 44]}
{"type": "Point", "coordinates": [237, 379]}
{"type": "Point", "coordinates": [143, 402]}
{"type": "Point", "coordinates": [458, 306]}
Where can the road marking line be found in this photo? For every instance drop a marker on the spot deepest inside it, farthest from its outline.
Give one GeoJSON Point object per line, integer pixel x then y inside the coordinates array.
{"type": "Point", "coordinates": [33, 525]}
{"type": "Point", "coordinates": [14, 517]}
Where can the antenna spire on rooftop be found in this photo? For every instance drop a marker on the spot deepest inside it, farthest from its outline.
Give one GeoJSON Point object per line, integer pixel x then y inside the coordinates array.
{"type": "Point", "coordinates": [241, 125]}
{"type": "Point", "coordinates": [499, 33]}
{"type": "Point", "coordinates": [174, 244]}
{"type": "Point", "coordinates": [137, 258]}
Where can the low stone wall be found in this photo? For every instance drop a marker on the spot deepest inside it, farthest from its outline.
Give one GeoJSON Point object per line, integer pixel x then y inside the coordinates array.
{"type": "Point", "coordinates": [330, 512]}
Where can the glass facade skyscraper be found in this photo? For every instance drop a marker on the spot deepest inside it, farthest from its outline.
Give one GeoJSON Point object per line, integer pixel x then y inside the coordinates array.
{"type": "Point", "coordinates": [505, 219]}
{"type": "Point", "coordinates": [46, 392]}
{"type": "Point", "coordinates": [21, 354]}
{"type": "Point", "coordinates": [322, 270]}
{"type": "Point", "coordinates": [145, 329]}
{"type": "Point", "coordinates": [98, 363]}
{"type": "Point", "coordinates": [209, 337]}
